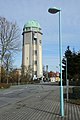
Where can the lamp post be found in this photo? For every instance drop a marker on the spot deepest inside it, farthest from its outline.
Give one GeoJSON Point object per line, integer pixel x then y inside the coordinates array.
{"type": "Point", "coordinates": [54, 11]}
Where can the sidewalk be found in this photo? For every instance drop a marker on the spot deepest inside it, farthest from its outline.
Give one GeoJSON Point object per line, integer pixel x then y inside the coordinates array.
{"type": "Point", "coordinates": [43, 105]}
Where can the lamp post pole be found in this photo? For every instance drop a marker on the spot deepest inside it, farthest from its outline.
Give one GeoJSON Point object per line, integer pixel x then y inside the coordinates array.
{"type": "Point", "coordinates": [54, 11]}
{"type": "Point", "coordinates": [60, 53]}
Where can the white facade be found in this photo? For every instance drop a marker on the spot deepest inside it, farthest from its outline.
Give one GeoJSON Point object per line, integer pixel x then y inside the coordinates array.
{"type": "Point", "coordinates": [32, 48]}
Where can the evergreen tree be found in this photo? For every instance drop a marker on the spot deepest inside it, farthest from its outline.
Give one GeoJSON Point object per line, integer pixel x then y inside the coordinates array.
{"type": "Point", "coordinates": [68, 57]}
{"type": "Point", "coordinates": [73, 66]}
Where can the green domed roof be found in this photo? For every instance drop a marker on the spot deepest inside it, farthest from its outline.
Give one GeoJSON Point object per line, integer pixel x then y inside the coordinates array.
{"type": "Point", "coordinates": [32, 23]}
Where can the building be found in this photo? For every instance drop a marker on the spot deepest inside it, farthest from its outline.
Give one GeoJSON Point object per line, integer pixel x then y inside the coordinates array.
{"type": "Point", "coordinates": [32, 48]}
{"type": "Point", "coordinates": [54, 77]}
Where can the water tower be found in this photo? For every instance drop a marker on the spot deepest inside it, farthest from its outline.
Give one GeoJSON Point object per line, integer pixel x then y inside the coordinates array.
{"type": "Point", "coordinates": [32, 48]}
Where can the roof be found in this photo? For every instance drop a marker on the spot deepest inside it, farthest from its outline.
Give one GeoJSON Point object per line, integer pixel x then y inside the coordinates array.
{"type": "Point", "coordinates": [32, 23]}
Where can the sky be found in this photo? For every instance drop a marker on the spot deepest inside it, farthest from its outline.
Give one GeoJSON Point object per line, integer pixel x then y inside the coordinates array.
{"type": "Point", "coordinates": [22, 11]}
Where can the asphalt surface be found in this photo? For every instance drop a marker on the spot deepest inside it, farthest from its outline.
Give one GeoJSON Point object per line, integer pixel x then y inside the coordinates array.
{"type": "Point", "coordinates": [35, 102]}
{"type": "Point", "coordinates": [16, 93]}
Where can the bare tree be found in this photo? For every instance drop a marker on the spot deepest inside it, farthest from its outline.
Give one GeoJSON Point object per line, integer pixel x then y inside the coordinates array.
{"type": "Point", "coordinates": [8, 64]}
{"type": "Point", "coordinates": [26, 74]}
{"type": "Point", "coordinates": [9, 38]}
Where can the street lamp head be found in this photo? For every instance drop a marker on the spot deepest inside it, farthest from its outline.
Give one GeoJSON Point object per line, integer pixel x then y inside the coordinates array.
{"type": "Point", "coordinates": [53, 10]}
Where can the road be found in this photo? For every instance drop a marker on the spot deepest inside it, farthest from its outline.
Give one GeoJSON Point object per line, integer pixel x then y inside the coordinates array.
{"type": "Point", "coordinates": [20, 92]}
{"type": "Point", "coordinates": [35, 102]}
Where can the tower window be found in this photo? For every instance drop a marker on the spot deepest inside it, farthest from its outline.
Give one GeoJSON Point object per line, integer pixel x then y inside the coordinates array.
{"type": "Point", "coordinates": [35, 52]}
{"type": "Point", "coordinates": [35, 40]}
{"type": "Point", "coordinates": [40, 41]}
{"type": "Point", "coordinates": [35, 62]}
{"type": "Point", "coordinates": [35, 72]}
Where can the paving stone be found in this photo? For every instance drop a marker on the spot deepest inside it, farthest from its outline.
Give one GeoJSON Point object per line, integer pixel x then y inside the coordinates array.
{"type": "Point", "coordinates": [40, 106]}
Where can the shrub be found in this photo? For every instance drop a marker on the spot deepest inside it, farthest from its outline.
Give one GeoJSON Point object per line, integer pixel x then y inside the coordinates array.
{"type": "Point", "coordinates": [76, 92]}
{"type": "Point", "coordinates": [4, 85]}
